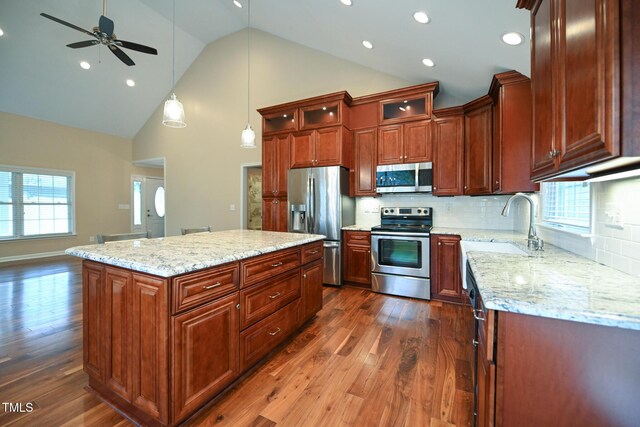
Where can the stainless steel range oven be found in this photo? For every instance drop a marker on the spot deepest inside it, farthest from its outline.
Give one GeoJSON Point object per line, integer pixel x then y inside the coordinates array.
{"type": "Point", "coordinates": [400, 252]}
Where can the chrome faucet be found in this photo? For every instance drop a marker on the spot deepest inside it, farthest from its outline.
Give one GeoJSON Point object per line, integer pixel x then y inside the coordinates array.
{"type": "Point", "coordinates": [533, 241]}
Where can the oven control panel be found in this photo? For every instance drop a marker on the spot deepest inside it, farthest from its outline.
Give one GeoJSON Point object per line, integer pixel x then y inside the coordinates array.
{"type": "Point", "coordinates": [394, 212]}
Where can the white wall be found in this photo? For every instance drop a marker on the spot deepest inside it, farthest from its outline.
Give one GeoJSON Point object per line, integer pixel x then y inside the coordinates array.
{"type": "Point", "coordinates": [461, 211]}
{"type": "Point", "coordinates": [203, 160]}
{"type": "Point", "coordinates": [616, 246]}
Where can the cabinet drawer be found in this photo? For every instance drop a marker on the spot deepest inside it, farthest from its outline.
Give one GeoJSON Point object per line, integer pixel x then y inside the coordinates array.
{"type": "Point", "coordinates": [485, 331]}
{"type": "Point", "coordinates": [266, 266]}
{"type": "Point", "coordinates": [259, 301]}
{"type": "Point", "coordinates": [264, 336]}
{"type": "Point", "coordinates": [198, 288]}
{"type": "Point", "coordinates": [358, 238]}
{"type": "Point", "coordinates": [311, 252]}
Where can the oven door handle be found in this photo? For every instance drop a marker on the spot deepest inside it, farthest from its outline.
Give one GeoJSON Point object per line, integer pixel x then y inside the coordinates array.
{"type": "Point", "coordinates": [394, 234]}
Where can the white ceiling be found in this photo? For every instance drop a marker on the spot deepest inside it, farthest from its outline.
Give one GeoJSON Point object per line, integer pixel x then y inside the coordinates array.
{"type": "Point", "coordinates": [40, 77]}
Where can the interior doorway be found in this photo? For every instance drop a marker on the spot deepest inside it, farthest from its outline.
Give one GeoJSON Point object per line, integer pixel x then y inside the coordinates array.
{"type": "Point", "coordinates": [251, 196]}
{"type": "Point", "coordinates": [148, 197]}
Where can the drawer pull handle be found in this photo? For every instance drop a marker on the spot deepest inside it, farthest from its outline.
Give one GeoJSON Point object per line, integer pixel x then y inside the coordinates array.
{"type": "Point", "coordinates": [215, 285]}
{"type": "Point", "coordinates": [477, 316]}
{"type": "Point", "coordinates": [276, 332]}
{"type": "Point", "coordinates": [277, 264]}
{"type": "Point", "coordinates": [276, 295]}
{"type": "Point", "coordinates": [314, 252]}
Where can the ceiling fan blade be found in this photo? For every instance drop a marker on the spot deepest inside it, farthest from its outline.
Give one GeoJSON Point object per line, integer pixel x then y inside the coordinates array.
{"type": "Point", "coordinates": [121, 55]}
{"type": "Point", "coordinates": [86, 43]}
{"type": "Point", "coordinates": [60, 21]}
{"type": "Point", "coordinates": [136, 46]}
{"type": "Point", "coordinates": [105, 25]}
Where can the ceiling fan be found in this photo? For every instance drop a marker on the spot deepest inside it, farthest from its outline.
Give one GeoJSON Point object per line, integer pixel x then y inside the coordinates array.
{"type": "Point", "coordinates": [103, 34]}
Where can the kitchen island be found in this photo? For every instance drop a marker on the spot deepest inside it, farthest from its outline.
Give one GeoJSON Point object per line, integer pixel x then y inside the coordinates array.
{"type": "Point", "coordinates": [169, 323]}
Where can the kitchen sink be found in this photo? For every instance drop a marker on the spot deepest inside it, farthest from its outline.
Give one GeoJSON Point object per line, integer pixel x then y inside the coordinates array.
{"type": "Point", "coordinates": [497, 247]}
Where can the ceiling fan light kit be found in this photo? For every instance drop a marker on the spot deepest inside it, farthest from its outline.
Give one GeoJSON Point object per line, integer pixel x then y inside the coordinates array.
{"type": "Point", "coordinates": [103, 34]}
{"type": "Point", "coordinates": [173, 114]}
{"type": "Point", "coordinates": [248, 139]}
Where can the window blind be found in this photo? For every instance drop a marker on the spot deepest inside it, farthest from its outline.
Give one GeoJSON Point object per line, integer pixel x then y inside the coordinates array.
{"type": "Point", "coordinates": [567, 203]}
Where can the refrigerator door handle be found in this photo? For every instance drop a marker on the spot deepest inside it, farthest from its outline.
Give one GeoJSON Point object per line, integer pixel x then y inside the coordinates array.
{"type": "Point", "coordinates": [312, 204]}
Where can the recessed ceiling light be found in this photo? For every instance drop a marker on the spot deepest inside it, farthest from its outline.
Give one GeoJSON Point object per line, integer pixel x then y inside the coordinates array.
{"type": "Point", "coordinates": [512, 38]}
{"type": "Point", "coordinates": [130, 83]}
{"type": "Point", "coordinates": [428, 62]}
{"type": "Point", "coordinates": [1, 32]}
{"type": "Point", "coordinates": [421, 17]}
{"type": "Point", "coordinates": [237, 3]}
{"type": "Point", "coordinates": [346, 2]}
{"type": "Point", "coordinates": [85, 65]}
{"type": "Point", "coordinates": [367, 44]}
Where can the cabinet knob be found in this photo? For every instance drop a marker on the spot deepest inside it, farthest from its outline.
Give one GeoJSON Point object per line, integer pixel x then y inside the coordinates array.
{"type": "Point", "coordinates": [238, 306]}
{"type": "Point", "coordinates": [435, 188]}
{"type": "Point", "coordinates": [439, 243]}
{"type": "Point", "coordinates": [304, 275]}
{"type": "Point", "coordinates": [465, 187]}
{"type": "Point", "coordinates": [497, 182]}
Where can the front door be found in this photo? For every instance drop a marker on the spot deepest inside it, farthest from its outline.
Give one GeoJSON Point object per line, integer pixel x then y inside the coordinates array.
{"type": "Point", "coordinates": [155, 206]}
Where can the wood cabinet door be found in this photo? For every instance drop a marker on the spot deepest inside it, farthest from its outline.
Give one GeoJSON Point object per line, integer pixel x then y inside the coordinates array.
{"type": "Point", "coordinates": [274, 214]}
{"type": "Point", "coordinates": [357, 265]}
{"type": "Point", "coordinates": [328, 146]}
{"type": "Point", "coordinates": [542, 86]}
{"type": "Point", "coordinates": [588, 90]}
{"type": "Point", "coordinates": [311, 290]}
{"type": "Point", "coordinates": [417, 142]}
{"type": "Point", "coordinates": [205, 353]}
{"type": "Point", "coordinates": [486, 372]}
{"type": "Point", "coordinates": [150, 345]}
{"type": "Point", "coordinates": [281, 214]}
{"type": "Point", "coordinates": [446, 282]}
{"type": "Point", "coordinates": [366, 152]}
{"type": "Point", "coordinates": [93, 290]}
{"type": "Point", "coordinates": [477, 150]}
{"type": "Point", "coordinates": [448, 156]}
{"type": "Point", "coordinates": [390, 145]}
{"type": "Point", "coordinates": [269, 166]}
{"type": "Point", "coordinates": [117, 331]}
{"type": "Point", "coordinates": [302, 150]}
{"type": "Point", "coordinates": [282, 164]}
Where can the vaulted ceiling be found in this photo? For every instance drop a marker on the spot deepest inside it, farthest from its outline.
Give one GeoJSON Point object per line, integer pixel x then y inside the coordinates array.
{"type": "Point", "coordinates": [40, 77]}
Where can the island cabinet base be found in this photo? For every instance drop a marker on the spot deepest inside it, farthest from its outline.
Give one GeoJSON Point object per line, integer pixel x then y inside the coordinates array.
{"type": "Point", "coordinates": [158, 349]}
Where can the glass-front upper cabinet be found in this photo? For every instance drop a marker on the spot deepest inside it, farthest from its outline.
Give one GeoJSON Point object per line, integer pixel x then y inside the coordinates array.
{"type": "Point", "coordinates": [321, 115]}
{"type": "Point", "coordinates": [405, 109]}
{"type": "Point", "coordinates": [282, 121]}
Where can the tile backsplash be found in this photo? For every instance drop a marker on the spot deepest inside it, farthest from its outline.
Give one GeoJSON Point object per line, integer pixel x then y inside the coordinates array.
{"type": "Point", "coordinates": [615, 237]}
{"type": "Point", "coordinates": [463, 211]}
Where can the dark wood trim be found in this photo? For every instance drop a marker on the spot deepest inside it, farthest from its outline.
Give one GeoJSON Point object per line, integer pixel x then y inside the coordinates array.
{"type": "Point", "coordinates": [477, 103]}
{"type": "Point", "coordinates": [630, 76]}
{"type": "Point", "coordinates": [501, 79]}
{"type": "Point", "coordinates": [398, 93]}
{"type": "Point", "coordinates": [448, 112]}
{"type": "Point", "coordinates": [527, 4]}
{"type": "Point", "coordinates": [335, 96]}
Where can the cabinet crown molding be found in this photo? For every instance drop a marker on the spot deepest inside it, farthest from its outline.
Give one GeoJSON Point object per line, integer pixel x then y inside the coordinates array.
{"type": "Point", "coordinates": [336, 96]}
{"type": "Point", "coordinates": [433, 87]}
{"type": "Point", "coordinates": [527, 4]}
{"type": "Point", "coordinates": [477, 103]}
{"type": "Point", "coordinates": [448, 112]}
{"type": "Point", "coordinates": [503, 79]}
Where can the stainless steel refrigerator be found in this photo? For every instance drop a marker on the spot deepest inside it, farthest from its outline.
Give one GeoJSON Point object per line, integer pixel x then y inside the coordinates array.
{"type": "Point", "coordinates": [319, 203]}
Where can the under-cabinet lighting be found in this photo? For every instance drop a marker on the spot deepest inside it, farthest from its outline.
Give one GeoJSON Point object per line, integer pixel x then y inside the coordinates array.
{"type": "Point", "coordinates": [421, 17]}
{"type": "Point", "coordinates": [324, 108]}
{"type": "Point", "coordinates": [614, 176]}
{"type": "Point", "coordinates": [367, 44]}
{"type": "Point", "coordinates": [512, 38]}
{"type": "Point", "coordinates": [284, 115]}
{"type": "Point", "coordinates": [402, 109]}
{"type": "Point", "coordinates": [237, 3]}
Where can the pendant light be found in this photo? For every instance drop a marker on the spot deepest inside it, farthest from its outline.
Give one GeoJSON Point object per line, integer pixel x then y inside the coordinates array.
{"type": "Point", "coordinates": [248, 135]}
{"type": "Point", "coordinates": [173, 115]}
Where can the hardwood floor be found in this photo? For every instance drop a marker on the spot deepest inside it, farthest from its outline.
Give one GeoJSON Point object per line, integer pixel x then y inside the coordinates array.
{"type": "Point", "coordinates": [365, 360]}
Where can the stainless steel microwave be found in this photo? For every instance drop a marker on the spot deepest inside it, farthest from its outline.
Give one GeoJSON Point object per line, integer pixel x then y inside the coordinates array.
{"type": "Point", "coordinates": [405, 178]}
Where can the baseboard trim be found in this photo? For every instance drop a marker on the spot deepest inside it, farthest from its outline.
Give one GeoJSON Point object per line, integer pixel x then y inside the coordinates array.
{"type": "Point", "coordinates": [26, 257]}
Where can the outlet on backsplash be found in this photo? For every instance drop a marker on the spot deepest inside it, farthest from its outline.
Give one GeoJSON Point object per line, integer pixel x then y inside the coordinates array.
{"type": "Point", "coordinates": [613, 216]}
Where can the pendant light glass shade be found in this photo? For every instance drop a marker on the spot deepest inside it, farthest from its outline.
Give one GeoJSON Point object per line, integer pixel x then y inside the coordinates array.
{"type": "Point", "coordinates": [173, 115]}
{"type": "Point", "coordinates": [248, 137]}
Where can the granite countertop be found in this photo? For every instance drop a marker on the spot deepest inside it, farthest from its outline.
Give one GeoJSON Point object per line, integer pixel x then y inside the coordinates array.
{"type": "Point", "coordinates": [357, 228]}
{"type": "Point", "coordinates": [170, 256]}
{"type": "Point", "coordinates": [551, 283]}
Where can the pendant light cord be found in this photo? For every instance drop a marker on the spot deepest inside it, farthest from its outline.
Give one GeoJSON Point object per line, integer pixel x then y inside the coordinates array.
{"type": "Point", "coordinates": [248, 57]}
{"type": "Point", "coordinates": [173, 75]}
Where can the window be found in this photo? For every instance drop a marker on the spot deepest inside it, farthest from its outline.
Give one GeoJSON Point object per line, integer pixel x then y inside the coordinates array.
{"type": "Point", "coordinates": [567, 204]}
{"type": "Point", "coordinates": [137, 202]}
{"type": "Point", "coordinates": [35, 203]}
